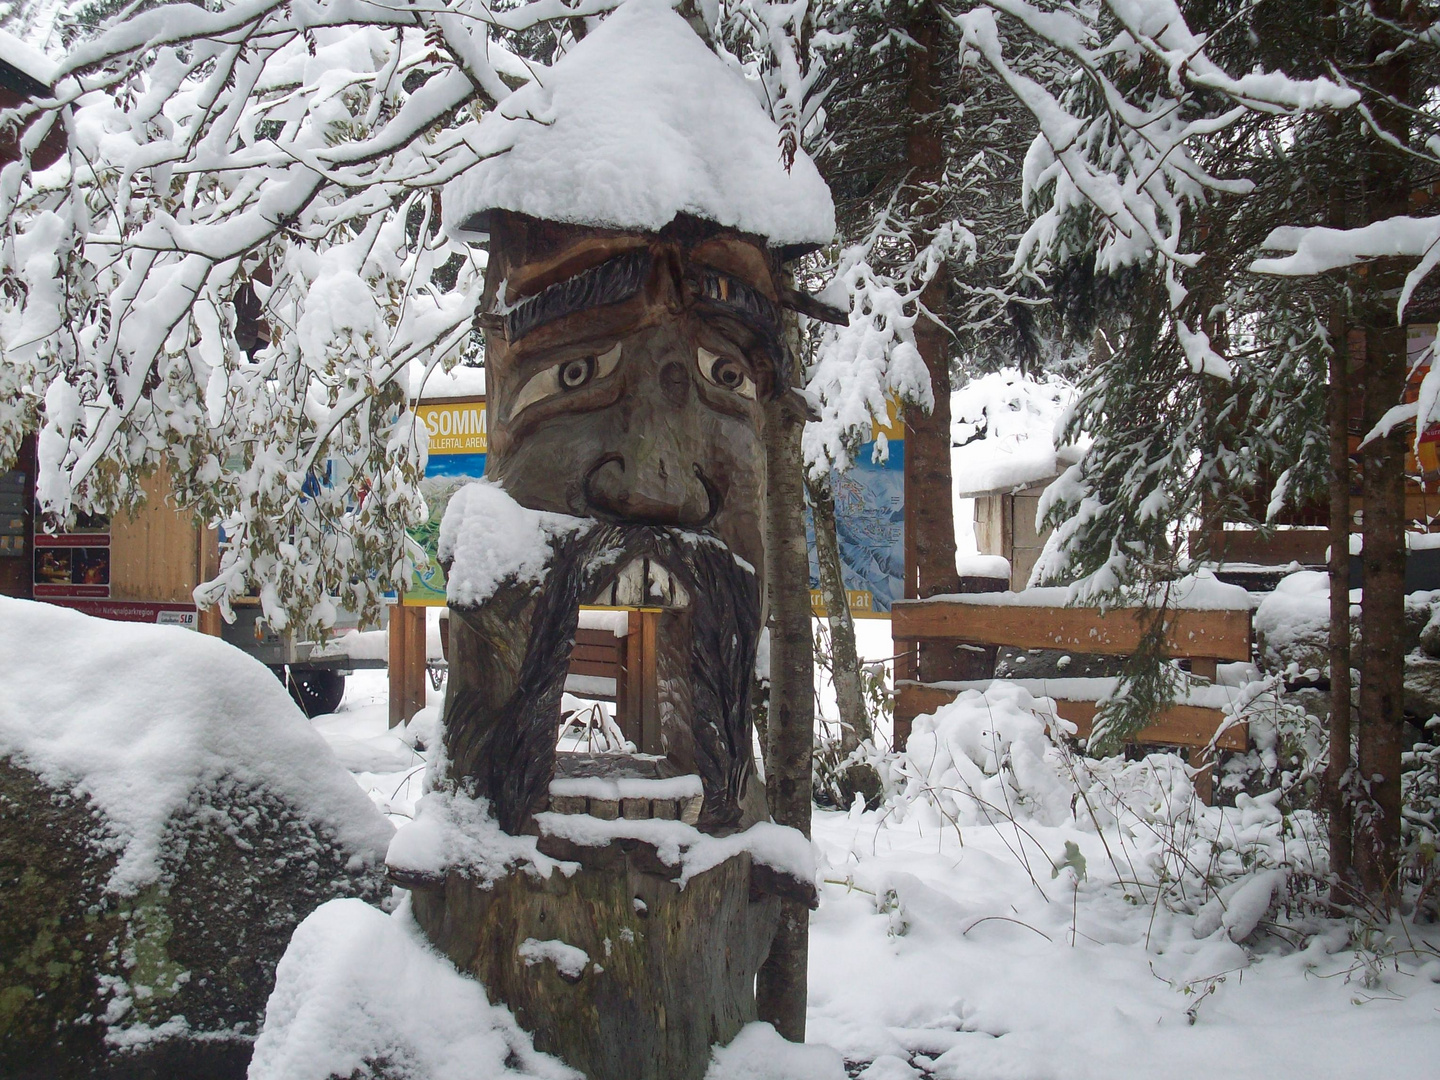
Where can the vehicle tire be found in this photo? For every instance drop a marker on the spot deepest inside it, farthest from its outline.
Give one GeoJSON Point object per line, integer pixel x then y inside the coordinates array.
{"type": "Point", "coordinates": [317, 692]}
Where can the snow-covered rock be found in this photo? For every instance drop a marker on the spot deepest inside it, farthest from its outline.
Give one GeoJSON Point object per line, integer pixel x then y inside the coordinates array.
{"type": "Point", "coordinates": [637, 123]}
{"type": "Point", "coordinates": [176, 816]}
{"type": "Point", "coordinates": [1292, 625]}
{"type": "Point", "coordinates": [1422, 686]}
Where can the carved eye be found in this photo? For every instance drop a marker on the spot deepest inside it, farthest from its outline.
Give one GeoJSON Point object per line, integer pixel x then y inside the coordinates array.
{"type": "Point", "coordinates": [565, 376]}
{"type": "Point", "coordinates": [725, 373]}
{"type": "Point", "coordinates": [576, 373]}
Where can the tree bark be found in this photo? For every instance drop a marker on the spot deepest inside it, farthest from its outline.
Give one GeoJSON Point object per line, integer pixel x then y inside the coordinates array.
{"type": "Point", "coordinates": [1339, 775]}
{"type": "Point", "coordinates": [929, 493]}
{"type": "Point", "coordinates": [844, 656]}
{"type": "Point", "coordinates": [780, 988]}
{"type": "Point", "coordinates": [1336, 780]}
{"type": "Point", "coordinates": [1382, 621]}
{"type": "Point", "coordinates": [1381, 713]}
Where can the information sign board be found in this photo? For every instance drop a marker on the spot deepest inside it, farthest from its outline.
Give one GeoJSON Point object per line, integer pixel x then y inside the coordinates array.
{"type": "Point", "coordinates": [869, 523]}
{"type": "Point", "coordinates": [458, 445]}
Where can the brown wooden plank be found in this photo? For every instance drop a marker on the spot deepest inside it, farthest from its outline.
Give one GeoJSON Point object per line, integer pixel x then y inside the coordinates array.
{"type": "Point", "coordinates": [649, 683]}
{"type": "Point", "coordinates": [604, 639]}
{"type": "Point", "coordinates": [1205, 667]}
{"type": "Point", "coordinates": [1204, 778]}
{"type": "Point", "coordinates": [596, 654]}
{"type": "Point", "coordinates": [588, 667]}
{"type": "Point", "coordinates": [628, 706]}
{"type": "Point", "coordinates": [1179, 725]}
{"type": "Point", "coordinates": [407, 662]}
{"type": "Point", "coordinates": [156, 553]}
{"type": "Point", "coordinates": [914, 699]}
{"type": "Point", "coordinates": [1222, 635]}
{"type": "Point", "coordinates": [210, 619]}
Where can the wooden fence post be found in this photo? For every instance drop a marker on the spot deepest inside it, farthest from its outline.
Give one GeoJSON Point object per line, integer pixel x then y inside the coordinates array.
{"type": "Point", "coordinates": [407, 661]}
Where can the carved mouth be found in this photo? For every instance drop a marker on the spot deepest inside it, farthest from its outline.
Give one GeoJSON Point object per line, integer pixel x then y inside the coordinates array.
{"type": "Point", "coordinates": [644, 582]}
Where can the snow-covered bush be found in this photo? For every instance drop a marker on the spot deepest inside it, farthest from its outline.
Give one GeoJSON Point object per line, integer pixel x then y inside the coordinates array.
{"type": "Point", "coordinates": [998, 758]}
{"type": "Point", "coordinates": [1288, 746]}
{"type": "Point", "coordinates": [984, 757]}
{"type": "Point", "coordinates": [1420, 821]}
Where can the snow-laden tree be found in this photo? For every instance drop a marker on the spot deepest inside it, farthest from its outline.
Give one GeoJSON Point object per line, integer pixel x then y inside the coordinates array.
{"type": "Point", "coordinates": [1173, 183]}
{"type": "Point", "coordinates": [239, 261]}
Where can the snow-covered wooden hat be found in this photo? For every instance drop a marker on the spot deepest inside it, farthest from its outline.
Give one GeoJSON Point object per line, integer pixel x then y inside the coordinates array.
{"type": "Point", "coordinates": [638, 124]}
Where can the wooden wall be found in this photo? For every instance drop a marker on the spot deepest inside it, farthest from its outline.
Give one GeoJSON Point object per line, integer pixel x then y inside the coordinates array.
{"type": "Point", "coordinates": [158, 554]}
{"type": "Point", "coordinates": [1005, 525]}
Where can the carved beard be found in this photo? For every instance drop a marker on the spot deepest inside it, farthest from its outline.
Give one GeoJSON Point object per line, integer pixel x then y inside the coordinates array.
{"type": "Point", "coordinates": [501, 722]}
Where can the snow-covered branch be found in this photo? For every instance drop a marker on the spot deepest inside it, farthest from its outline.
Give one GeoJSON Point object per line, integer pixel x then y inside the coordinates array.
{"type": "Point", "coordinates": [234, 265]}
{"type": "Point", "coordinates": [1121, 148]}
{"type": "Point", "coordinates": [1318, 249]}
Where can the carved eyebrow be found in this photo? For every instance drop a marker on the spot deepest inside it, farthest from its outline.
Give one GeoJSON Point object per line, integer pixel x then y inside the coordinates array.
{"type": "Point", "coordinates": [726, 291]}
{"type": "Point", "coordinates": [611, 282]}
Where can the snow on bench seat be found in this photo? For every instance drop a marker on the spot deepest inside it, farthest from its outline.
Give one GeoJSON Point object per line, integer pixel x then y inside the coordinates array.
{"type": "Point", "coordinates": [1190, 722]}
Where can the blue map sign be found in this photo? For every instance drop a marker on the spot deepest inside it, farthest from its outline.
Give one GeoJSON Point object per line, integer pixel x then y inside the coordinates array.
{"type": "Point", "coordinates": [870, 526]}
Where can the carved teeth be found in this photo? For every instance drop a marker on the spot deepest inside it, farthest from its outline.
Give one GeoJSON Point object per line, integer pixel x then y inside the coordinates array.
{"type": "Point", "coordinates": [645, 583]}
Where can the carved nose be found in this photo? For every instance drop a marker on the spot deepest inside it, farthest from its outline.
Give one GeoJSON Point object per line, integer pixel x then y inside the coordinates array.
{"type": "Point", "coordinates": [652, 493]}
{"type": "Point", "coordinates": [675, 384]}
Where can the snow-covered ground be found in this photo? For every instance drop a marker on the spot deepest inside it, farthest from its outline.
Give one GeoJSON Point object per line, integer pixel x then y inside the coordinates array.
{"type": "Point", "coordinates": [1019, 941]}
{"type": "Point", "coordinates": [935, 952]}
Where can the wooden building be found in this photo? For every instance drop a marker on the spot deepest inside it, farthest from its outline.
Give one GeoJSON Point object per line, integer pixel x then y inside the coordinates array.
{"type": "Point", "coordinates": [142, 567]}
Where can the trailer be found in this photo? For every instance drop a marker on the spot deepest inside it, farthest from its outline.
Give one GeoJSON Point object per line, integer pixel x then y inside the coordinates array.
{"type": "Point", "coordinates": [145, 567]}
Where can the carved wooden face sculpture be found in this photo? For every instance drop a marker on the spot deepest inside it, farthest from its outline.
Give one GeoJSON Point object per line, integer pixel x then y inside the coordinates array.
{"type": "Point", "coordinates": [626, 375]}
{"type": "Point", "coordinates": [626, 384]}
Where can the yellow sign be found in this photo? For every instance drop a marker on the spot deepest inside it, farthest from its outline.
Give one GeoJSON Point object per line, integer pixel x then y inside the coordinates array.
{"type": "Point", "coordinates": [862, 604]}
{"type": "Point", "coordinates": [894, 426]}
{"type": "Point", "coordinates": [458, 448]}
{"type": "Point", "coordinates": [455, 427]}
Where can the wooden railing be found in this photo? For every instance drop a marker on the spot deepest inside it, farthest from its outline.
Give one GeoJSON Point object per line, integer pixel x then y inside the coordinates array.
{"type": "Point", "coordinates": [1205, 637]}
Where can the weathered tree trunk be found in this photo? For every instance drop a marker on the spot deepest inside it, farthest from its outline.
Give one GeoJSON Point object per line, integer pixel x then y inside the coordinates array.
{"type": "Point", "coordinates": [1381, 714]}
{"type": "Point", "coordinates": [1338, 776]}
{"type": "Point", "coordinates": [929, 509]}
{"type": "Point", "coordinates": [844, 657]}
{"type": "Point", "coordinates": [666, 972]}
{"type": "Point", "coordinates": [1382, 623]}
{"type": "Point", "coordinates": [781, 986]}
{"type": "Point", "coordinates": [1341, 852]}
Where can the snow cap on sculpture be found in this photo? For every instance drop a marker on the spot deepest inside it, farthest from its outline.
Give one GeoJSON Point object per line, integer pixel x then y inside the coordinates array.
{"type": "Point", "coordinates": [637, 124]}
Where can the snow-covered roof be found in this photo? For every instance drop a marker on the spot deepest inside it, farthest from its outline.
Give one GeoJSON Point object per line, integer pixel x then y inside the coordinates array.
{"type": "Point", "coordinates": [1005, 423]}
{"type": "Point", "coordinates": [640, 122]}
{"type": "Point", "coordinates": [460, 381]}
{"type": "Point", "coordinates": [27, 59]}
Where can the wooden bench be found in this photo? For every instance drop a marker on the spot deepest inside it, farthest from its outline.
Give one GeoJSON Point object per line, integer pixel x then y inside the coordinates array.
{"type": "Point", "coordinates": [615, 658]}
{"type": "Point", "coordinates": [1027, 620]}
